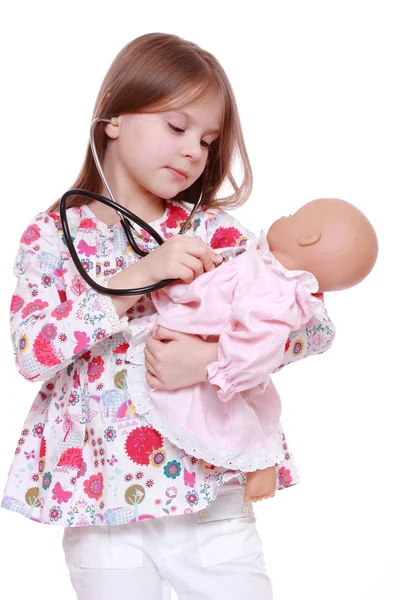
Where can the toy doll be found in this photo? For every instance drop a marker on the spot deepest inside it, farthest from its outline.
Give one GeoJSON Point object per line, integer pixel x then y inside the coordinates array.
{"type": "Point", "coordinates": [250, 304]}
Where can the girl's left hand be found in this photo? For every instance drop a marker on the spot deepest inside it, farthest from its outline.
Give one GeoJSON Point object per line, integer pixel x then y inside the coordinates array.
{"type": "Point", "coordinates": [175, 360]}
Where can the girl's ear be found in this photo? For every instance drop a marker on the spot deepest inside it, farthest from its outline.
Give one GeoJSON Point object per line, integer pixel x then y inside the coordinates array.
{"type": "Point", "coordinates": [112, 129]}
{"type": "Point", "coordinates": [309, 238]}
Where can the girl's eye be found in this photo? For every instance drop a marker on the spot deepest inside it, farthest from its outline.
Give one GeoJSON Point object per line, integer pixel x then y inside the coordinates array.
{"type": "Point", "coordinates": [179, 130]}
{"type": "Point", "coordinates": [176, 129]}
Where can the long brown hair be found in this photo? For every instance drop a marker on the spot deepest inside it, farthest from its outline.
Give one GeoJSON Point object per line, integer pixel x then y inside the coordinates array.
{"type": "Point", "coordinates": [153, 73]}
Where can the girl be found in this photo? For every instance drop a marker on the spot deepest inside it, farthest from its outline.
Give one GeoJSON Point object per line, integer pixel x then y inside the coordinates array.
{"type": "Point", "coordinates": [85, 460]}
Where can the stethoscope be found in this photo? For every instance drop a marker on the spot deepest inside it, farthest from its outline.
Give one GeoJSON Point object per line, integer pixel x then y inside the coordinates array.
{"type": "Point", "coordinates": [127, 218]}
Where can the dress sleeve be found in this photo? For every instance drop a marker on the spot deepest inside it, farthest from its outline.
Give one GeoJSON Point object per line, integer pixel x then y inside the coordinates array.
{"type": "Point", "coordinates": [314, 337]}
{"type": "Point", "coordinates": [48, 330]}
{"type": "Point", "coordinates": [252, 344]}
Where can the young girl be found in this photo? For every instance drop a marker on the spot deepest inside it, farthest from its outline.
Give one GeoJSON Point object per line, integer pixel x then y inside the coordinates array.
{"type": "Point", "coordinates": [85, 460]}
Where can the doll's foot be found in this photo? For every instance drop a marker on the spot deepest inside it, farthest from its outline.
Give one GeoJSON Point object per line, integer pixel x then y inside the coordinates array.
{"type": "Point", "coordinates": [257, 498]}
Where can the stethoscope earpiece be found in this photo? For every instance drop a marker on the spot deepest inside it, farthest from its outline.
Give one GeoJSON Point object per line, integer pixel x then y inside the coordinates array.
{"type": "Point", "coordinates": [114, 121]}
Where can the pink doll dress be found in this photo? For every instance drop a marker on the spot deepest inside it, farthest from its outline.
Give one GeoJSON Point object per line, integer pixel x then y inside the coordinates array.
{"type": "Point", "coordinates": [252, 303]}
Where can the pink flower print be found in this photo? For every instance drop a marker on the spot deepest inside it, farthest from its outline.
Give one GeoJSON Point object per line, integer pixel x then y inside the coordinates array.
{"type": "Point", "coordinates": [99, 334]}
{"type": "Point", "coordinates": [225, 237]}
{"type": "Point", "coordinates": [38, 430]}
{"type": "Point", "coordinates": [176, 216]}
{"type": "Point", "coordinates": [55, 513]}
{"type": "Point", "coordinates": [285, 477]}
{"type": "Point", "coordinates": [192, 497]}
{"type": "Point", "coordinates": [32, 307]}
{"type": "Point", "coordinates": [49, 331]}
{"type": "Point", "coordinates": [60, 494]}
{"type": "Point", "coordinates": [83, 341]}
{"type": "Point", "coordinates": [62, 310]}
{"type": "Point", "coordinates": [44, 352]}
{"type": "Point", "coordinates": [120, 262]}
{"type": "Point", "coordinates": [87, 224]}
{"type": "Point", "coordinates": [84, 248]}
{"type": "Point", "coordinates": [71, 458]}
{"type": "Point", "coordinates": [95, 368]}
{"type": "Point", "coordinates": [30, 235]}
{"type": "Point", "coordinates": [47, 280]}
{"type": "Point", "coordinates": [121, 349]}
{"type": "Point", "coordinates": [93, 486]}
{"type": "Point", "coordinates": [316, 341]}
{"type": "Point", "coordinates": [86, 264]}
{"type": "Point", "coordinates": [16, 304]}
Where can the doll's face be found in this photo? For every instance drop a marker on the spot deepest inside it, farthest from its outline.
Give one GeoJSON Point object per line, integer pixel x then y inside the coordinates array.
{"type": "Point", "coordinates": [303, 228]}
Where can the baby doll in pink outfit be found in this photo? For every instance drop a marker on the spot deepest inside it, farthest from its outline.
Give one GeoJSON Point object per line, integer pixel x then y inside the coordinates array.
{"type": "Point", "coordinates": [250, 304]}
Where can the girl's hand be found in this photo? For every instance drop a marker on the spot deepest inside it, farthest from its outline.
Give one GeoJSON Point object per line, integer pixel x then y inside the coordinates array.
{"type": "Point", "coordinates": [180, 257]}
{"type": "Point", "coordinates": [175, 360]}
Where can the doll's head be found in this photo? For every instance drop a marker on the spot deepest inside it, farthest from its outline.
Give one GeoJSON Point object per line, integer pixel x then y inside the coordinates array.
{"type": "Point", "coordinates": [330, 238]}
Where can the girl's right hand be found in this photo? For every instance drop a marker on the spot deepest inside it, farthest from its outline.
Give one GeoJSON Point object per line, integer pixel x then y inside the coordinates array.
{"type": "Point", "coordinates": [180, 257]}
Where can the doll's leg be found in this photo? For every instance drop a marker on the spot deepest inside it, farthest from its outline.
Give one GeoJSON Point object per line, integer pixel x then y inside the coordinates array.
{"type": "Point", "coordinates": [113, 562]}
{"type": "Point", "coordinates": [260, 484]}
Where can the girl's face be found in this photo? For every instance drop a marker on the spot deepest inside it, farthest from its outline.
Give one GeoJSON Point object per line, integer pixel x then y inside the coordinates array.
{"type": "Point", "coordinates": [165, 152]}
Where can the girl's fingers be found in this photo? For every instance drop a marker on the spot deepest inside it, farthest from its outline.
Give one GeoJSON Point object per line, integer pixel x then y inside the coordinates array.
{"type": "Point", "coordinates": [208, 257]}
{"type": "Point", "coordinates": [152, 381]}
{"type": "Point", "coordinates": [194, 264]}
{"type": "Point", "coordinates": [149, 362]}
{"type": "Point", "coordinates": [164, 334]}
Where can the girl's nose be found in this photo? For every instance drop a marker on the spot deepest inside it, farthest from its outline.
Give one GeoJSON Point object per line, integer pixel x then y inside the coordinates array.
{"type": "Point", "coordinates": [192, 149]}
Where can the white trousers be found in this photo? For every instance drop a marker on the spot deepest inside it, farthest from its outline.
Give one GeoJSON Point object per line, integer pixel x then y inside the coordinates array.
{"type": "Point", "coordinates": [213, 554]}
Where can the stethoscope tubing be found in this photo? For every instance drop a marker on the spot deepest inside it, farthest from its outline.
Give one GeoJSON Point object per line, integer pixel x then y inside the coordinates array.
{"type": "Point", "coordinates": [74, 255]}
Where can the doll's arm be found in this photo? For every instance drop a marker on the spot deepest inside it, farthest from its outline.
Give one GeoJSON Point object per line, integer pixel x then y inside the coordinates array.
{"type": "Point", "coordinates": [252, 345]}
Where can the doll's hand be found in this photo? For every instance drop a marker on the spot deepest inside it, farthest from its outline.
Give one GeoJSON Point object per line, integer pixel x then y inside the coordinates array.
{"type": "Point", "coordinates": [174, 360]}
{"type": "Point", "coordinates": [260, 484]}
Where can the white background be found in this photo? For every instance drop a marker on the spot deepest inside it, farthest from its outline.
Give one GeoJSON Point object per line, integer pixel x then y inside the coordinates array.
{"type": "Point", "coordinates": [318, 92]}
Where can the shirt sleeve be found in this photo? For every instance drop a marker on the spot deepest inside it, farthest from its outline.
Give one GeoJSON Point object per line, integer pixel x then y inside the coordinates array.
{"type": "Point", "coordinates": [49, 330]}
{"type": "Point", "coordinates": [312, 338]}
{"type": "Point", "coordinates": [252, 344]}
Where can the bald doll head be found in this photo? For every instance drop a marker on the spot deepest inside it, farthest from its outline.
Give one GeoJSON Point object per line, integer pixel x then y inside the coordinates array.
{"type": "Point", "coordinates": [330, 238]}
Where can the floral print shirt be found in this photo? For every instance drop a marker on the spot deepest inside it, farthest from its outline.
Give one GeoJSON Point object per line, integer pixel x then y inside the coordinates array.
{"type": "Point", "coordinates": [84, 456]}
